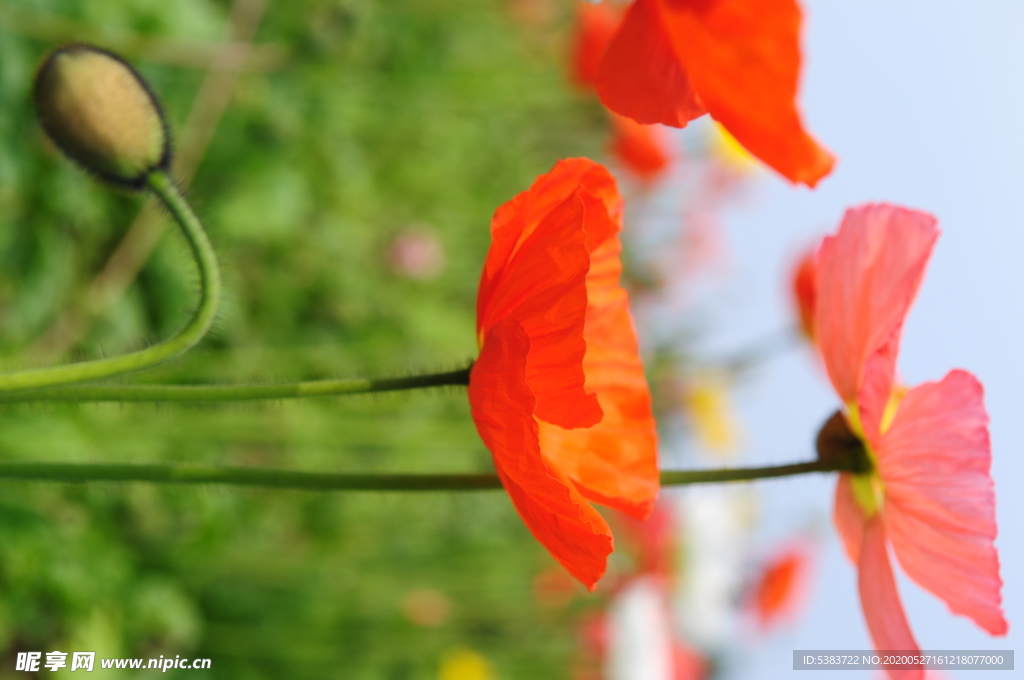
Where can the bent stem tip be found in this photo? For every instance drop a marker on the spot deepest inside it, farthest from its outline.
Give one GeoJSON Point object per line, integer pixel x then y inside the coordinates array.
{"type": "Point", "coordinates": [210, 287]}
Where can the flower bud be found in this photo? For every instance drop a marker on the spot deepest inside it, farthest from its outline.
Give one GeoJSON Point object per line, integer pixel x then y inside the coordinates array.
{"type": "Point", "coordinates": [102, 114]}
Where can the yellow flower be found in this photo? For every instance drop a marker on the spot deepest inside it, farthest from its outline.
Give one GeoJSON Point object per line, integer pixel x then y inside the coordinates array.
{"type": "Point", "coordinates": [711, 413]}
{"type": "Point", "coordinates": [465, 664]}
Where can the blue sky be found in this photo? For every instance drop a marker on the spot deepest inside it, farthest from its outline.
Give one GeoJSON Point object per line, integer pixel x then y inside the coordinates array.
{"type": "Point", "coordinates": [923, 105]}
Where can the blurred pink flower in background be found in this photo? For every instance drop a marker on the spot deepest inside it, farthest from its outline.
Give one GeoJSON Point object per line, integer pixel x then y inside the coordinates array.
{"type": "Point", "coordinates": [416, 252]}
{"type": "Point", "coordinates": [426, 607]}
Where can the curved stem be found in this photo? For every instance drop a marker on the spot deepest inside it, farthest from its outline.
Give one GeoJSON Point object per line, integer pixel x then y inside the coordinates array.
{"type": "Point", "coordinates": [325, 481]}
{"type": "Point", "coordinates": [209, 282]}
{"type": "Point", "coordinates": [231, 393]}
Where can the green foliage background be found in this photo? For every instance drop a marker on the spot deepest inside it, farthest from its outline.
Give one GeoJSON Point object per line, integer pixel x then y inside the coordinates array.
{"type": "Point", "coordinates": [383, 116]}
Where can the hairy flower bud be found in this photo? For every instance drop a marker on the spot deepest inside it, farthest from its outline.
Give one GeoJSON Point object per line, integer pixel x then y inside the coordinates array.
{"type": "Point", "coordinates": [101, 113]}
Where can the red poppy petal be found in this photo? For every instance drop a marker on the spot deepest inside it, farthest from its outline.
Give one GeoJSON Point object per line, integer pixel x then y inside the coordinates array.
{"type": "Point", "coordinates": [881, 601]}
{"type": "Point", "coordinates": [615, 462]}
{"type": "Point", "coordinates": [533, 272]}
{"type": "Point", "coordinates": [868, 276]}
{"type": "Point", "coordinates": [939, 500]}
{"type": "Point", "coordinates": [643, 149]}
{"type": "Point", "coordinates": [804, 290]}
{"type": "Point", "coordinates": [781, 585]}
{"type": "Point", "coordinates": [502, 405]}
{"type": "Point", "coordinates": [640, 75]}
{"type": "Point", "coordinates": [849, 518]}
{"type": "Point", "coordinates": [536, 274]}
{"type": "Point", "coordinates": [596, 179]}
{"type": "Point", "coordinates": [743, 58]}
{"type": "Point", "coordinates": [570, 528]}
{"type": "Point", "coordinates": [595, 26]}
{"type": "Point", "coordinates": [515, 221]}
{"type": "Point", "coordinates": [533, 251]}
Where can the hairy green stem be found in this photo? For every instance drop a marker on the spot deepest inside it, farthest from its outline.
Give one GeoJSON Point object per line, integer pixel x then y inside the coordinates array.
{"type": "Point", "coordinates": [209, 282]}
{"type": "Point", "coordinates": [230, 393]}
{"type": "Point", "coordinates": [326, 481]}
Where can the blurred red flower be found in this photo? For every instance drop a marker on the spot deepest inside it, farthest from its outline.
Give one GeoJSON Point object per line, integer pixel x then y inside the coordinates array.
{"type": "Point", "coordinates": [596, 24]}
{"type": "Point", "coordinates": [929, 492]}
{"type": "Point", "coordinates": [644, 150]}
{"type": "Point", "coordinates": [558, 393]}
{"type": "Point", "coordinates": [780, 587]}
{"type": "Point", "coordinates": [674, 60]}
{"type": "Point", "coordinates": [804, 291]}
{"type": "Point", "coordinates": [653, 543]}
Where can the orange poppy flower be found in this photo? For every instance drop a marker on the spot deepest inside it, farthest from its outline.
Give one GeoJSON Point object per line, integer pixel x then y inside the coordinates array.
{"type": "Point", "coordinates": [674, 60]}
{"type": "Point", "coordinates": [558, 393]}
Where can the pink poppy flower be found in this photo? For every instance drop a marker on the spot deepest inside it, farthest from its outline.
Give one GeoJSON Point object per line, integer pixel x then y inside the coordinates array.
{"type": "Point", "coordinates": [928, 491]}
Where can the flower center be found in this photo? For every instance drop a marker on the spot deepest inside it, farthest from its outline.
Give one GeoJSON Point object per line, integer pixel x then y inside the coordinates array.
{"type": "Point", "coordinates": [841, 443]}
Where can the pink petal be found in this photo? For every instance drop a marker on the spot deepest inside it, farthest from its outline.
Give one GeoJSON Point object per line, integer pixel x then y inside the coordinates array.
{"type": "Point", "coordinates": [849, 518]}
{"type": "Point", "coordinates": [868, 275]}
{"type": "Point", "coordinates": [939, 499]}
{"type": "Point", "coordinates": [880, 600]}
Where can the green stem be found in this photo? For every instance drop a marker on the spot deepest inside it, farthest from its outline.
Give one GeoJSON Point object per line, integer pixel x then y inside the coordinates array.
{"type": "Point", "coordinates": [324, 481]}
{"type": "Point", "coordinates": [209, 282]}
{"type": "Point", "coordinates": [682, 477]}
{"type": "Point", "coordinates": [244, 476]}
{"type": "Point", "coordinates": [229, 393]}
